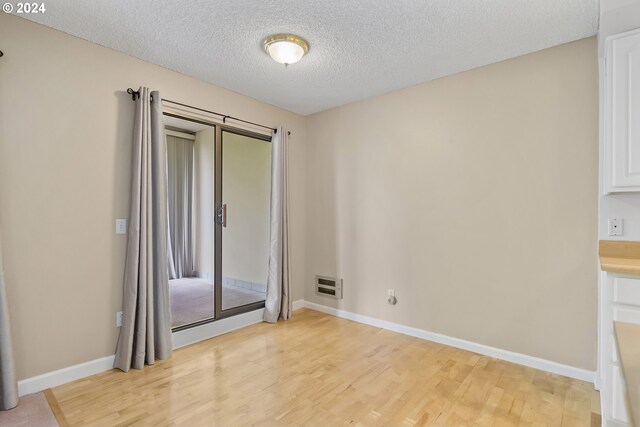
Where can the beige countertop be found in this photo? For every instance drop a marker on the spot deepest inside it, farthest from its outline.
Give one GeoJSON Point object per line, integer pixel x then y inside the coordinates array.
{"type": "Point", "coordinates": [628, 339]}
{"type": "Point", "coordinates": [619, 256]}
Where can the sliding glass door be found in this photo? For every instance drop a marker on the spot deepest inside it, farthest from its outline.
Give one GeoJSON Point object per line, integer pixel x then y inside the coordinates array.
{"type": "Point", "coordinates": [246, 190]}
{"type": "Point", "coordinates": [244, 179]}
{"type": "Point", "coordinates": [190, 191]}
{"type": "Point", "coordinates": [219, 185]}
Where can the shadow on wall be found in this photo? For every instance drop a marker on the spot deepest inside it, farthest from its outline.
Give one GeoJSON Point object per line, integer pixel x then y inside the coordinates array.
{"type": "Point", "coordinates": [120, 198]}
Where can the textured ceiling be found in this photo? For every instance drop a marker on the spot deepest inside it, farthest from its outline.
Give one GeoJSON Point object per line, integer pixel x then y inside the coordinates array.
{"type": "Point", "coordinates": [357, 48]}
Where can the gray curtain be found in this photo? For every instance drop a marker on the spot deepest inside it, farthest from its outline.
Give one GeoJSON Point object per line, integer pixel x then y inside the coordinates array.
{"type": "Point", "coordinates": [278, 300]}
{"type": "Point", "coordinates": [8, 382]}
{"type": "Point", "coordinates": [180, 195]}
{"type": "Point", "coordinates": [145, 334]}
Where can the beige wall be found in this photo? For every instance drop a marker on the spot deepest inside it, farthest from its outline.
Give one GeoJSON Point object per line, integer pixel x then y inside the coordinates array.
{"type": "Point", "coordinates": [474, 197]}
{"type": "Point", "coordinates": [204, 212]}
{"type": "Point", "coordinates": [65, 154]}
{"type": "Point", "coordinates": [246, 187]}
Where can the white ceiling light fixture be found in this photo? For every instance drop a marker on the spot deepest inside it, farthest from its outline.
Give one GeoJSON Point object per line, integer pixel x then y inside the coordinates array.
{"type": "Point", "coordinates": [286, 49]}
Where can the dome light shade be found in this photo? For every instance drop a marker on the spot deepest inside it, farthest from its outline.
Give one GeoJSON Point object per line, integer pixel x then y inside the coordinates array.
{"type": "Point", "coordinates": [286, 48]}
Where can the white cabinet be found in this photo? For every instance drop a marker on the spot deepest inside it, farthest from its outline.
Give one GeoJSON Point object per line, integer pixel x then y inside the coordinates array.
{"type": "Point", "coordinates": [619, 301]}
{"type": "Point", "coordinates": [622, 113]}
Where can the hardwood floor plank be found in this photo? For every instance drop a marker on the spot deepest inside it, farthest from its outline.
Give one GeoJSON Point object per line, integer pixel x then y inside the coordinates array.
{"type": "Point", "coordinates": [319, 370]}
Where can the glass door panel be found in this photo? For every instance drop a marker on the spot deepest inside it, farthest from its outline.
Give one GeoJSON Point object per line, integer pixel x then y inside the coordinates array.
{"type": "Point", "coordinates": [245, 203]}
{"type": "Point", "coordinates": [190, 192]}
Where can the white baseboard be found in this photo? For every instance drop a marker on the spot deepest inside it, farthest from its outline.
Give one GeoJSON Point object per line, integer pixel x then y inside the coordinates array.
{"type": "Point", "coordinates": [179, 339]}
{"type": "Point", "coordinates": [497, 353]}
{"type": "Point", "coordinates": [613, 423]}
{"type": "Point", "coordinates": [210, 330]}
{"type": "Point", "coordinates": [298, 304]}
{"type": "Point", "coordinates": [64, 375]}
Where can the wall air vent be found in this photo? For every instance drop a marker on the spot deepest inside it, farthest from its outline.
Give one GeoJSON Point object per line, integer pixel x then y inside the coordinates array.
{"type": "Point", "coordinates": [329, 286]}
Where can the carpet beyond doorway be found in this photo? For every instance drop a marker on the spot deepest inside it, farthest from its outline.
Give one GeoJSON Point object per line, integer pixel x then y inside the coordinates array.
{"type": "Point", "coordinates": [191, 299]}
{"type": "Point", "coordinates": [32, 410]}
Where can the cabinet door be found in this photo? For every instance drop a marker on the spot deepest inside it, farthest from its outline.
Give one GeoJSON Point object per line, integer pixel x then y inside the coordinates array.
{"type": "Point", "coordinates": [618, 404]}
{"type": "Point", "coordinates": [622, 121]}
{"type": "Point", "coordinates": [620, 301]}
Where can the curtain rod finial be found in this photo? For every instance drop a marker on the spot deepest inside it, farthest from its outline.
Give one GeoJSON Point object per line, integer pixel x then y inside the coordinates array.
{"type": "Point", "coordinates": [133, 93]}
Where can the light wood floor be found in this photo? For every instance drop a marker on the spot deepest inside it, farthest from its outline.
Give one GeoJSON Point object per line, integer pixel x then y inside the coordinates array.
{"type": "Point", "coordinates": [319, 370]}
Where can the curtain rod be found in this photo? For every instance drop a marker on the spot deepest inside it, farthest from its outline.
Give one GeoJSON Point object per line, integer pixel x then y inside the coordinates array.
{"type": "Point", "coordinates": [135, 93]}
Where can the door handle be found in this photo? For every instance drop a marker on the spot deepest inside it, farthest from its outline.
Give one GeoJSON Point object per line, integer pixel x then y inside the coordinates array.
{"type": "Point", "coordinates": [224, 215]}
{"type": "Point", "coordinates": [221, 215]}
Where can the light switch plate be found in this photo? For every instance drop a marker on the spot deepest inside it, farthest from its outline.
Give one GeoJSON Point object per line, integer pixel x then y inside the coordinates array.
{"type": "Point", "coordinates": [615, 227]}
{"type": "Point", "coordinates": [121, 226]}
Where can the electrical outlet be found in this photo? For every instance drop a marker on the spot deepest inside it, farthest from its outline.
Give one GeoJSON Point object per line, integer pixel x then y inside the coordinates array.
{"type": "Point", "coordinates": [615, 227]}
{"type": "Point", "coordinates": [391, 297]}
{"type": "Point", "coordinates": [118, 319]}
{"type": "Point", "coordinates": [121, 226]}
